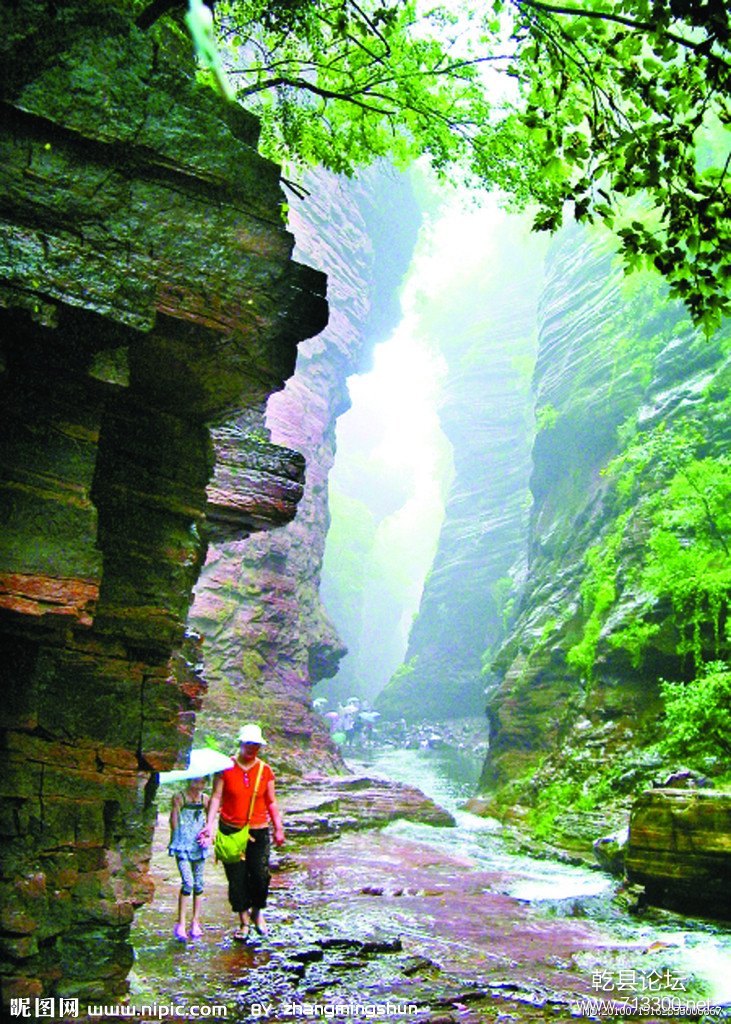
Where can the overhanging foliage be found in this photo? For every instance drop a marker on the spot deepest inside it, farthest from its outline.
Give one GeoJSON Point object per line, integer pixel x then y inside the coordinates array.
{"type": "Point", "coordinates": [617, 110]}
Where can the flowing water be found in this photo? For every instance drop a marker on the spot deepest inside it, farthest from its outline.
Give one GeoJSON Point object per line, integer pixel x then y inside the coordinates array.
{"type": "Point", "coordinates": [702, 948]}
{"type": "Point", "coordinates": [446, 918]}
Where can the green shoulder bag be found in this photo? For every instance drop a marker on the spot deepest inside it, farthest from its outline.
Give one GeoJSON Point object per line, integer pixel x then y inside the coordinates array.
{"type": "Point", "coordinates": [229, 849]}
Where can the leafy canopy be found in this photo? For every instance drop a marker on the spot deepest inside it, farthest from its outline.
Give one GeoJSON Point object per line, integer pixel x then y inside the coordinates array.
{"type": "Point", "coordinates": [617, 110]}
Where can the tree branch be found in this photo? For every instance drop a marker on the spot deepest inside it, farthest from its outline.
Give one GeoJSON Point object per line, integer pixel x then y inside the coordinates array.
{"type": "Point", "coordinates": [299, 83]}
{"type": "Point", "coordinates": [372, 26]}
{"type": "Point", "coordinates": [619, 19]}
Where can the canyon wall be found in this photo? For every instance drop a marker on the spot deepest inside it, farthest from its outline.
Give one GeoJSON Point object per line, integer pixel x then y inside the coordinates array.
{"type": "Point", "coordinates": [544, 591]}
{"type": "Point", "coordinates": [618, 364]}
{"type": "Point", "coordinates": [147, 294]}
{"type": "Point", "coordinates": [486, 330]}
{"type": "Point", "coordinates": [268, 636]}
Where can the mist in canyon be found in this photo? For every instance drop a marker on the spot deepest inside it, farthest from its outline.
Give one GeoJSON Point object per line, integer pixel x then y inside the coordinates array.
{"type": "Point", "coordinates": [394, 470]}
{"type": "Point", "coordinates": [398, 447]}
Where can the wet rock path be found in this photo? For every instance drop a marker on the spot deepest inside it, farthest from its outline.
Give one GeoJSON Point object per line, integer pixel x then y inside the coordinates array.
{"type": "Point", "coordinates": [376, 922]}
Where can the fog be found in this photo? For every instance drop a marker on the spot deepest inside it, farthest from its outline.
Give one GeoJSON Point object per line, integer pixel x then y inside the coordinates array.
{"type": "Point", "coordinates": [394, 464]}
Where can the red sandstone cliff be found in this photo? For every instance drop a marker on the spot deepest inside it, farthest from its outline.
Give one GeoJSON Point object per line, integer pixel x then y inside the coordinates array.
{"type": "Point", "coordinates": [147, 291]}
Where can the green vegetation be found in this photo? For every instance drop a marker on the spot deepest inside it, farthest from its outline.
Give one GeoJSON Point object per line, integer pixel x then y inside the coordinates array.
{"type": "Point", "coordinates": [656, 587]}
{"type": "Point", "coordinates": [404, 693]}
{"type": "Point", "coordinates": [698, 715]}
{"type": "Point", "coordinates": [681, 505]}
{"type": "Point", "coordinates": [504, 598]}
{"type": "Point", "coordinates": [663, 573]}
{"type": "Point", "coordinates": [676, 518]}
{"type": "Point", "coordinates": [555, 793]}
{"type": "Point", "coordinates": [607, 108]}
{"type": "Point", "coordinates": [553, 801]}
{"type": "Point", "coordinates": [546, 417]}
{"type": "Point", "coordinates": [599, 594]}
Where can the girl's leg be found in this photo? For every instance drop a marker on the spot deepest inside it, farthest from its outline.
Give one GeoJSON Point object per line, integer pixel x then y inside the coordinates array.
{"type": "Point", "coordinates": [186, 887]}
{"type": "Point", "coordinates": [183, 898]}
{"type": "Point", "coordinates": [195, 923]}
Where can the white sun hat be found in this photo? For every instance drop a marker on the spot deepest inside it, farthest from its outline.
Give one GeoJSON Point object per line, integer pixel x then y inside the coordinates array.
{"type": "Point", "coordinates": [251, 733]}
{"type": "Point", "coordinates": [203, 761]}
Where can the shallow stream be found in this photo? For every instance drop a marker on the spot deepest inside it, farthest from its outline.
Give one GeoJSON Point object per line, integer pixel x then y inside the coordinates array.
{"type": "Point", "coordinates": [446, 920]}
{"type": "Point", "coordinates": [702, 948]}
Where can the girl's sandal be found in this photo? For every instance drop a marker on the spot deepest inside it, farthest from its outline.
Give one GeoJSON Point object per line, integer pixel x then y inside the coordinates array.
{"type": "Point", "coordinates": [241, 934]}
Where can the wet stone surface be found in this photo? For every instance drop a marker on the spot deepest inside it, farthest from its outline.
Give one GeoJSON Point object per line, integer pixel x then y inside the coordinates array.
{"type": "Point", "coordinates": [373, 919]}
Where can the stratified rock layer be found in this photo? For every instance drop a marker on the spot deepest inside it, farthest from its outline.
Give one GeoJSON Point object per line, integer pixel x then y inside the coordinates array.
{"type": "Point", "coordinates": [613, 356]}
{"type": "Point", "coordinates": [679, 849]}
{"type": "Point", "coordinates": [319, 806]}
{"type": "Point", "coordinates": [146, 290]}
{"type": "Point", "coordinates": [268, 637]}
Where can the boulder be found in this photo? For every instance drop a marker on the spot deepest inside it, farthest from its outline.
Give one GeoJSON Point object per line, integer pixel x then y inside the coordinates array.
{"type": "Point", "coordinates": [321, 805]}
{"type": "Point", "coordinates": [679, 849]}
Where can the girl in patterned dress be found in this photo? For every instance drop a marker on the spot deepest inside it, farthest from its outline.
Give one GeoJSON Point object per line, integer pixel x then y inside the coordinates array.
{"type": "Point", "coordinates": [187, 819]}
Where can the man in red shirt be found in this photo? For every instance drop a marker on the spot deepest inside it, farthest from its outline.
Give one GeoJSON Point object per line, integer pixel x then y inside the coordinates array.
{"type": "Point", "coordinates": [231, 801]}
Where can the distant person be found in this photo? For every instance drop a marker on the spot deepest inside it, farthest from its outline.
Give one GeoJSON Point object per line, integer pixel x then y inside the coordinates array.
{"type": "Point", "coordinates": [244, 794]}
{"type": "Point", "coordinates": [346, 721]}
{"type": "Point", "coordinates": [187, 821]}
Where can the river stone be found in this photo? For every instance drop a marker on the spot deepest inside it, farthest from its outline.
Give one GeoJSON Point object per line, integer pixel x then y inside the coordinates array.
{"type": "Point", "coordinates": [609, 851]}
{"type": "Point", "coordinates": [679, 848]}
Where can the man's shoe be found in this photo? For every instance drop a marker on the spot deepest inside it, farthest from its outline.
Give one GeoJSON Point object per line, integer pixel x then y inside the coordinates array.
{"type": "Point", "coordinates": [259, 923]}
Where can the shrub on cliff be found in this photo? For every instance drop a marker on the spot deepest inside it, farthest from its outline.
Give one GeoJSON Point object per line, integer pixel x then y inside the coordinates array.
{"type": "Point", "coordinates": [669, 549]}
{"type": "Point", "coordinates": [698, 716]}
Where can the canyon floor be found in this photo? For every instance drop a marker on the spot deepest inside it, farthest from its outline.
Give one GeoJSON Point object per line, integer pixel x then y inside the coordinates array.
{"type": "Point", "coordinates": [373, 923]}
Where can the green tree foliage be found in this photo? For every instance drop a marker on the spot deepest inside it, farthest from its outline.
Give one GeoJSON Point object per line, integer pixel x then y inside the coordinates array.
{"type": "Point", "coordinates": [685, 511]}
{"type": "Point", "coordinates": [677, 518]}
{"type": "Point", "coordinates": [698, 715]}
{"type": "Point", "coordinates": [616, 111]}
{"type": "Point", "coordinates": [667, 560]}
{"type": "Point", "coordinates": [598, 592]}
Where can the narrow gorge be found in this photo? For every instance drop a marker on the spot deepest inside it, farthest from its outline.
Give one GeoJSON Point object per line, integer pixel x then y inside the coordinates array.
{"type": "Point", "coordinates": [268, 637]}
{"type": "Point", "coordinates": [180, 321]}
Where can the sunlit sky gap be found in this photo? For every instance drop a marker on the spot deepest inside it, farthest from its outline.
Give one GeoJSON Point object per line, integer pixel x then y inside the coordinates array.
{"type": "Point", "coordinates": [391, 453]}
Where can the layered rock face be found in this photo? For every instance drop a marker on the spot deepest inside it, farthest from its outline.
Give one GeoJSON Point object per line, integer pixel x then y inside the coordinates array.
{"type": "Point", "coordinates": [612, 354]}
{"type": "Point", "coordinates": [487, 334]}
{"type": "Point", "coordinates": [680, 849]}
{"type": "Point", "coordinates": [147, 292]}
{"type": "Point", "coordinates": [318, 806]}
{"type": "Point", "coordinates": [268, 637]}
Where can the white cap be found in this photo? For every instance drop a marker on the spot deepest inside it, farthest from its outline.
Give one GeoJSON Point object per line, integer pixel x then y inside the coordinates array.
{"type": "Point", "coordinates": [251, 733]}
